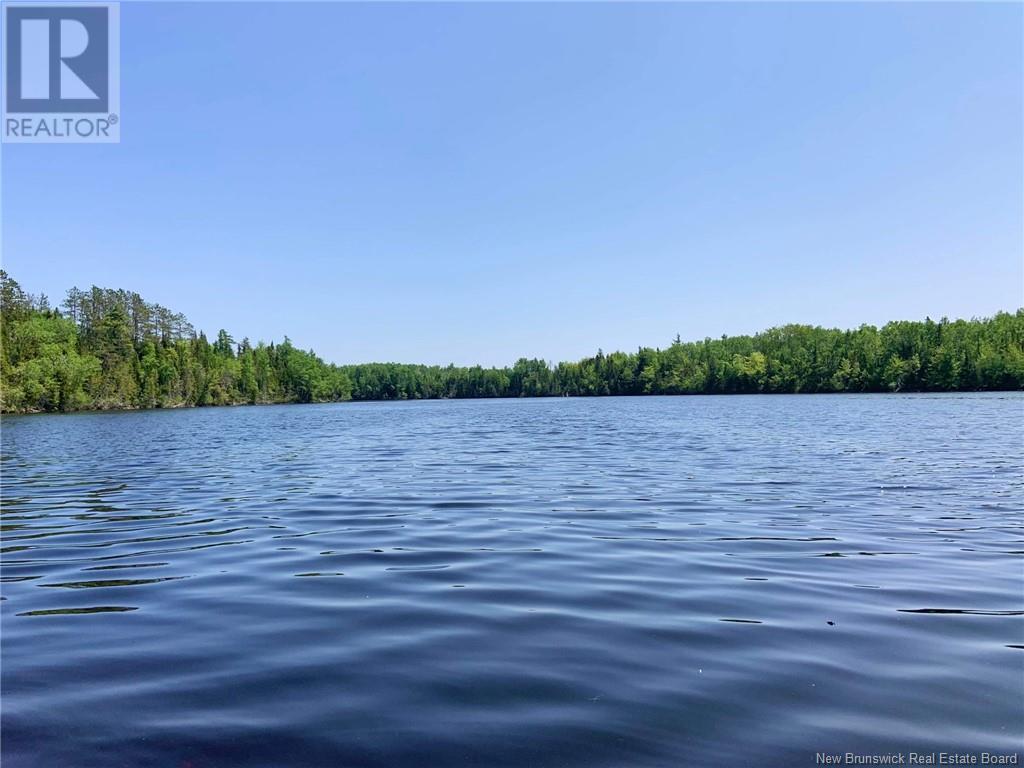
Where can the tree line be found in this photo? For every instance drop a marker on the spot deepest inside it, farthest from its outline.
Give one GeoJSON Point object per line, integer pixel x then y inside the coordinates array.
{"type": "Point", "coordinates": [106, 348]}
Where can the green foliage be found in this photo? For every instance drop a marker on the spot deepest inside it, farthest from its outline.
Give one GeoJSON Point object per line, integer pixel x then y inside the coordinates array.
{"type": "Point", "coordinates": [114, 350]}
{"type": "Point", "coordinates": [902, 356]}
{"type": "Point", "coordinates": [110, 349]}
{"type": "Point", "coordinates": [48, 373]}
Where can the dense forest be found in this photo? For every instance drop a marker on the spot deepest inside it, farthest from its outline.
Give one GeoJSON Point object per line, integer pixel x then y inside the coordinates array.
{"type": "Point", "coordinates": [105, 348]}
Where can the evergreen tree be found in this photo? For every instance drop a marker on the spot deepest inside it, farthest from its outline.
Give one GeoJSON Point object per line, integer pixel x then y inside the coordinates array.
{"type": "Point", "coordinates": [111, 349]}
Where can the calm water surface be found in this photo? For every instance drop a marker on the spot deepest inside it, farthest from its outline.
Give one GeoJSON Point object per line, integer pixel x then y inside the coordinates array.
{"type": "Point", "coordinates": [576, 582]}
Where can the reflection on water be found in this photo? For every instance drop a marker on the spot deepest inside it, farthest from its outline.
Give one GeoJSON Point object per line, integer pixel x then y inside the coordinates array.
{"type": "Point", "coordinates": [568, 582]}
{"type": "Point", "coordinates": [72, 611]}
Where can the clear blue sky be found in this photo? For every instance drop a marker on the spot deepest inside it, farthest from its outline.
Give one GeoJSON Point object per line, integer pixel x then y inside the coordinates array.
{"type": "Point", "coordinates": [474, 183]}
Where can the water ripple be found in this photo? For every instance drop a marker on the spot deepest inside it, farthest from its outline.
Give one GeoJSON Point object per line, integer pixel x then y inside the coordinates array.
{"type": "Point", "coordinates": [567, 582]}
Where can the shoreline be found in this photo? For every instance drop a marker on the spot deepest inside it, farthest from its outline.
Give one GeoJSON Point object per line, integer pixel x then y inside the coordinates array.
{"type": "Point", "coordinates": [353, 401]}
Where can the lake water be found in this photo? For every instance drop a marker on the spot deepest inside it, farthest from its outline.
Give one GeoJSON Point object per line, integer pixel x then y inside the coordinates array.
{"type": "Point", "coordinates": [562, 582]}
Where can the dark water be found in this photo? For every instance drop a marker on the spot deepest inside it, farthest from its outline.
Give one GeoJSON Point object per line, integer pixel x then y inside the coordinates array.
{"type": "Point", "coordinates": [579, 582]}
